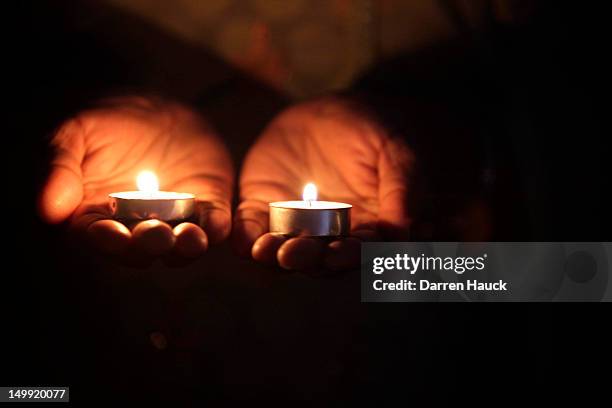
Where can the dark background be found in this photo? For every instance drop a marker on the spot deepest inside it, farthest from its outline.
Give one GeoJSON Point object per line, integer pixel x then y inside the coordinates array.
{"type": "Point", "coordinates": [527, 108]}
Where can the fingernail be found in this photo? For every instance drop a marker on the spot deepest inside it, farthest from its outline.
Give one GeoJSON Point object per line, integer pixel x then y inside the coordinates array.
{"type": "Point", "coordinates": [109, 236]}
{"type": "Point", "coordinates": [191, 241]}
{"type": "Point", "coordinates": [300, 254]}
{"type": "Point", "coordinates": [266, 247]}
{"type": "Point", "coordinates": [154, 237]}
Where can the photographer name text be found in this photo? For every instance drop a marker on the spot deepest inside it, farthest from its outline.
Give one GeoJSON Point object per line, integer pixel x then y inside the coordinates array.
{"type": "Point", "coordinates": [432, 264]}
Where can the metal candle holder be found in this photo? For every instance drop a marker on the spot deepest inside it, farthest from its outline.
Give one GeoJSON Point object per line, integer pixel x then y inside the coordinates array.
{"type": "Point", "coordinates": [314, 219]}
{"type": "Point", "coordinates": [162, 205]}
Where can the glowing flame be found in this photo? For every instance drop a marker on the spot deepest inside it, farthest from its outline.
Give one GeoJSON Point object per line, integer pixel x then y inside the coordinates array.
{"type": "Point", "coordinates": [310, 192]}
{"type": "Point", "coordinates": [147, 181]}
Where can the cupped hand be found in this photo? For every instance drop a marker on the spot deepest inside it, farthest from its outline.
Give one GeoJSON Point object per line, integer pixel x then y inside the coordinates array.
{"type": "Point", "coordinates": [102, 151]}
{"type": "Point", "coordinates": [350, 158]}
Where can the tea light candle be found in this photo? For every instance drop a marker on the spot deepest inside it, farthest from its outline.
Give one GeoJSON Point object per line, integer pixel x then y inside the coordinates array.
{"type": "Point", "coordinates": [150, 203]}
{"type": "Point", "coordinates": [309, 217]}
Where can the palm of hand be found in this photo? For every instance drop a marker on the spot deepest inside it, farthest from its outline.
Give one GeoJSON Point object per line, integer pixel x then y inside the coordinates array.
{"type": "Point", "coordinates": [102, 151]}
{"type": "Point", "coordinates": [346, 154]}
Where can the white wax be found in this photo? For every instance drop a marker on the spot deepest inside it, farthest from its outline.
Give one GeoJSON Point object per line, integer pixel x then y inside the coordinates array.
{"type": "Point", "coordinates": [311, 205]}
{"type": "Point", "coordinates": [152, 195]}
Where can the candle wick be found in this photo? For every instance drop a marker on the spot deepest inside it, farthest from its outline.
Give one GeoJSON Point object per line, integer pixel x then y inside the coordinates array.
{"type": "Point", "coordinates": [309, 203]}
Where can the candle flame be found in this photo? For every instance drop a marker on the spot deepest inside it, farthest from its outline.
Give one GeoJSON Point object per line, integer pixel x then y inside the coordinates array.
{"type": "Point", "coordinates": [147, 181]}
{"type": "Point", "coordinates": [310, 192]}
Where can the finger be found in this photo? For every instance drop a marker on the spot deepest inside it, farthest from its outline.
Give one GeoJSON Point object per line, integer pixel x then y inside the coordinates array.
{"type": "Point", "coordinates": [114, 239]}
{"type": "Point", "coordinates": [301, 253]}
{"type": "Point", "coordinates": [213, 185]}
{"type": "Point", "coordinates": [342, 255]}
{"type": "Point", "coordinates": [109, 236]}
{"type": "Point", "coordinates": [63, 189]}
{"type": "Point", "coordinates": [213, 203]}
{"type": "Point", "coordinates": [250, 222]}
{"type": "Point", "coordinates": [61, 195]}
{"type": "Point", "coordinates": [395, 164]}
{"type": "Point", "coordinates": [215, 220]}
{"type": "Point", "coordinates": [266, 247]}
{"type": "Point", "coordinates": [87, 214]}
{"type": "Point", "coordinates": [153, 237]}
{"type": "Point", "coordinates": [191, 240]}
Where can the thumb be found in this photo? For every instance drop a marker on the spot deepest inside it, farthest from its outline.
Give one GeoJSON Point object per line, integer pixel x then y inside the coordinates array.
{"type": "Point", "coordinates": [63, 190]}
{"type": "Point", "coordinates": [395, 165]}
{"type": "Point", "coordinates": [250, 222]}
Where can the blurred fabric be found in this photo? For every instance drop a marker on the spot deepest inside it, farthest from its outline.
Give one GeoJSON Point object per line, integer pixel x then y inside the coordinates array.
{"type": "Point", "coordinates": [306, 47]}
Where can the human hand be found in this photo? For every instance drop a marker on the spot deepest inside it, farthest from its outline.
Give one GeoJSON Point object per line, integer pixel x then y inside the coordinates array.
{"type": "Point", "coordinates": [350, 158]}
{"type": "Point", "coordinates": [102, 150]}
